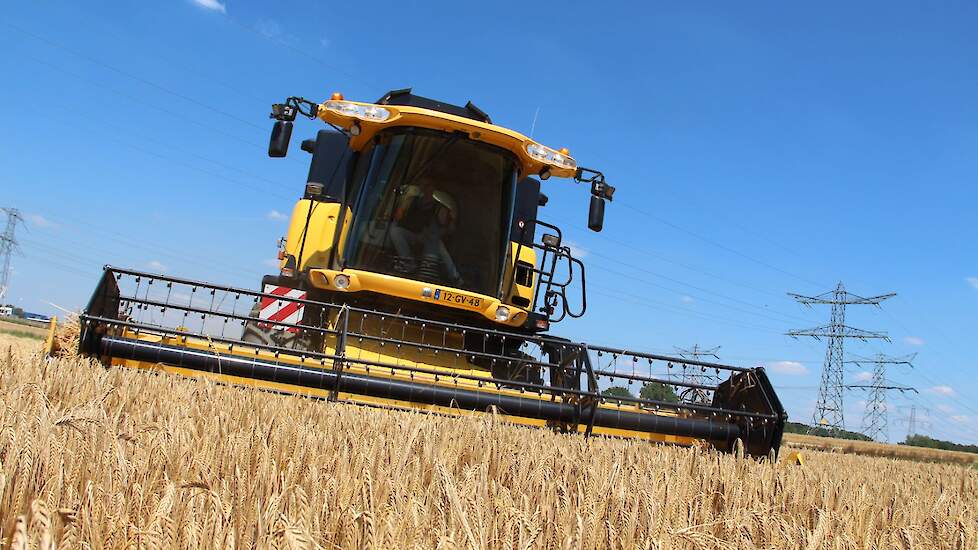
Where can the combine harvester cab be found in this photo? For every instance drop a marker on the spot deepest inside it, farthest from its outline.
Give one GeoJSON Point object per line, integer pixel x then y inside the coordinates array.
{"type": "Point", "coordinates": [411, 277]}
{"type": "Point", "coordinates": [158, 322]}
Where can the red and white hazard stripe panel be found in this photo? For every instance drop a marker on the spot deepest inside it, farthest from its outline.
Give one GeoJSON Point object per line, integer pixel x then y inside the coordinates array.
{"type": "Point", "coordinates": [279, 309]}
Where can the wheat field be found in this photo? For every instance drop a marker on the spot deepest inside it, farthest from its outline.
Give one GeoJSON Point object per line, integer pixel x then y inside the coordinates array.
{"type": "Point", "coordinates": [95, 458]}
{"type": "Point", "coordinates": [873, 448]}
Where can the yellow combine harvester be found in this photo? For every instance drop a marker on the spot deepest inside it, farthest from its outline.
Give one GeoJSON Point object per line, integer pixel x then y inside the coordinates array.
{"type": "Point", "coordinates": [412, 277]}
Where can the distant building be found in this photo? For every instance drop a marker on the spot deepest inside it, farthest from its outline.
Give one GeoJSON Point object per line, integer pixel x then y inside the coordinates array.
{"type": "Point", "coordinates": [6, 311]}
{"type": "Point", "coordinates": [36, 317]}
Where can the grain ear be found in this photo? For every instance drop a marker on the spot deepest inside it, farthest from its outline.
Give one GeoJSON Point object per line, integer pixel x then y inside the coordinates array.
{"type": "Point", "coordinates": [116, 458]}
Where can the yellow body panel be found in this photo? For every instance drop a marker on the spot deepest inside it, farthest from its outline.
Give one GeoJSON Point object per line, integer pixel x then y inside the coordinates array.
{"type": "Point", "coordinates": [51, 340]}
{"type": "Point", "coordinates": [315, 240]}
{"type": "Point", "coordinates": [529, 256]}
{"type": "Point", "coordinates": [794, 457]}
{"type": "Point", "coordinates": [415, 290]}
{"type": "Point", "coordinates": [505, 138]}
{"type": "Point", "coordinates": [364, 351]}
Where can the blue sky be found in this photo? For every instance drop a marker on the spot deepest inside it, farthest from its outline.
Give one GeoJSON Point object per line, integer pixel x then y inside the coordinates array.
{"type": "Point", "coordinates": [758, 149]}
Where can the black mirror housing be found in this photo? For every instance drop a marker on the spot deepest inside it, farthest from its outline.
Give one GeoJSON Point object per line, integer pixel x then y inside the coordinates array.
{"type": "Point", "coordinates": [330, 159]}
{"type": "Point", "coordinates": [278, 144]}
{"type": "Point", "coordinates": [595, 215]}
{"type": "Point", "coordinates": [525, 211]}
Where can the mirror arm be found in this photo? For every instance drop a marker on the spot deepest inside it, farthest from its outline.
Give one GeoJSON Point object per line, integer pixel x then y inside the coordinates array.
{"type": "Point", "coordinates": [600, 192]}
{"type": "Point", "coordinates": [599, 188]}
{"type": "Point", "coordinates": [286, 112]}
{"type": "Point", "coordinates": [284, 115]}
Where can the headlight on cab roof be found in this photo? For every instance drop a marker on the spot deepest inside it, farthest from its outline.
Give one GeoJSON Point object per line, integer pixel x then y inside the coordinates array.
{"type": "Point", "coordinates": [362, 112]}
{"type": "Point", "coordinates": [546, 155]}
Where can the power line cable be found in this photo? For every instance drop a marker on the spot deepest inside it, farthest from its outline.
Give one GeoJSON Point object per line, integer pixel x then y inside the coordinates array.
{"type": "Point", "coordinates": [923, 400]}
{"type": "Point", "coordinates": [180, 162]}
{"type": "Point", "coordinates": [159, 250]}
{"type": "Point", "coordinates": [720, 246]}
{"type": "Point", "coordinates": [920, 374]}
{"type": "Point", "coordinates": [602, 267]}
{"type": "Point", "coordinates": [47, 260]}
{"type": "Point", "coordinates": [134, 77]}
{"type": "Point", "coordinates": [107, 32]}
{"type": "Point", "coordinates": [183, 96]}
{"type": "Point", "coordinates": [639, 300]}
{"type": "Point", "coordinates": [219, 111]}
{"type": "Point", "coordinates": [96, 262]}
{"type": "Point", "coordinates": [305, 53]}
{"type": "Point", "coordinates": [648, 252]}
{"type": "Point", "coordinates": [155, 106]}
{"type": "Point", "coordinates": [141, 102]}
{"type": "Point", "coordinates": [144, 138]}
{"type": "Point", "coordinates": [699, 289]}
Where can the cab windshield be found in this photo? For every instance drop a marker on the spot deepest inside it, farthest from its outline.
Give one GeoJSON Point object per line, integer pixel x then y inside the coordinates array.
{"type": "Point", "coordinates": [433, 207]}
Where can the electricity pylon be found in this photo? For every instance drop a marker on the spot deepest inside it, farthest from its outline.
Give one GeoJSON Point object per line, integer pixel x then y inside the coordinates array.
{"type": "Point", "coordinates": [875, 414]}
{"type": "Point", "coordinates": [8, 244]}
{"type": "Point", "coordinates": [694, 374]}
{"type": "Point", "coordinates": [828, 409]}
{"type": "Point", "coordinates": [912, 420]}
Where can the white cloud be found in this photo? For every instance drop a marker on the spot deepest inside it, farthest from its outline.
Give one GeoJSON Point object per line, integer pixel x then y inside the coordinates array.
{"type": "Point", "coordinates": [275, 215]}
{"type": "Point", "coordinates": [945, 409]}
{"type": "Point", "coordinates": [686, 299]}
{"type": "Point", "coordinates": [973, 281]}
{"type": "Point", "coordinates": [156, 265]}
{"type": "Point", "coordinates": [864, 376]}
{"type": "Point", "coordinates": [577, 250]}
{"type": "Point", "coordinates": [268, 28]}
{"type": "Point", "coordinates": [38, 220]}
{"type": "Point", "coordinates": [273, 30]}
{"type": "Point", "coordinates": [960, 418]}
{"type": "Point", "coordinates": [793, 368]}
{"type": "Point", "coordinates": [914, 340]}
{"type": "Point", "coordinates": [213, 5]}
{"type": "Point", "coordinates": [943, 390]}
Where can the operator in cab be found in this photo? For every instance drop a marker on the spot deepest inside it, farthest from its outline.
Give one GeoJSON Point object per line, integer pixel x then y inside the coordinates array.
{"type": "Point", "coordinates": [424, 217]}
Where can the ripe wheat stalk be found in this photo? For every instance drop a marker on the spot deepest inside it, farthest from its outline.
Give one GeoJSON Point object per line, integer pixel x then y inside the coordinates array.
{"type": "Point", "coordinates": [116, 458]}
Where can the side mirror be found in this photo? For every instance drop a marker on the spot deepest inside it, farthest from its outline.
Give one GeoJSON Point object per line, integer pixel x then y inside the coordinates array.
{"type": "Point", "coordinates": [278, 145]}
{"type": "Point", "coordinates": [595, 215]}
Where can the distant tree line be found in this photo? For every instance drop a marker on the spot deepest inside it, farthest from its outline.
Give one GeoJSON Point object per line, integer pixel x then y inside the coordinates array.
{"type": "Point", "coordinates": [799, 428]}
{"type": "Point", "coordinates": [660, 392]}
{"type": "Point", "coordinates": [918, 440]}
{"type": "Point", "coordinates": [653, 391]}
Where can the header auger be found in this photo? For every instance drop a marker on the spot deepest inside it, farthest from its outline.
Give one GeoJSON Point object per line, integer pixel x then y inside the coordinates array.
{"type": "Point", "coordinates": [412, 277]}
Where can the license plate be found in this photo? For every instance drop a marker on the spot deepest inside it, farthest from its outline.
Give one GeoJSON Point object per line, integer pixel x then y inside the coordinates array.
{"type": "Point", "coordinates": [457, 298]}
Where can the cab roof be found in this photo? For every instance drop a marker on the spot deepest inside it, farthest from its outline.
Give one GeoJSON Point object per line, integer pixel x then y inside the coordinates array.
{"type": "Point", "coordinates": [400, 108]}
{"type": "Point", "coordinates": [406, 98]}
